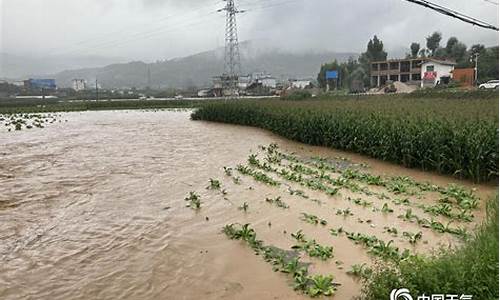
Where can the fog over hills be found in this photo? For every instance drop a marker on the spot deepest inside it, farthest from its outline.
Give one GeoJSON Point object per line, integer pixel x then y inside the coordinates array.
{"type": "Point", "coordinates": [198, 70]}
{"type": "Point", "coordinates": [194, 70]}
{"type": "Point", "coordinates": [21, 66]}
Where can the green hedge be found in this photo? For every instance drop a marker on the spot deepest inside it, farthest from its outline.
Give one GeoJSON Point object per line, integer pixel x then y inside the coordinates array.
{"type": "Point", "coordinates": [458, 137]}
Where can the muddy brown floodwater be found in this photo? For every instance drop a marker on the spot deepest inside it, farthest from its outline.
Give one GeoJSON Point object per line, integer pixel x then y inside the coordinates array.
{"type": "Point", "coordinates": [94, 209]}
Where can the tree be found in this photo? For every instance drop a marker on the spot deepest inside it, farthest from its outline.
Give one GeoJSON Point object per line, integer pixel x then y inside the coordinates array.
{"type": "Point", "coordinates": [423, 52]}
{"type": "Point", "coordinates": [433, 42]}
{"type": "Point", "coordinates": [451, 42]}
{"type": "Point", "coordinates": [477, 48]}
{"type": "Point", "coordinates": [375, 50]}
{"type": "Point", "coordinates": [487, 62]}
{"type": "Point", "coordinates": [347, 72]}
{"type": "Point", "coordinates": [415, 48]}
{"type": "Point", "coordinates": [458, 52]}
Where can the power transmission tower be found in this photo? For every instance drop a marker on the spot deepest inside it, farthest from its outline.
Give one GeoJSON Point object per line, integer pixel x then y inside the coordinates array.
{"type": "Point", "coordinates": [232, 64]}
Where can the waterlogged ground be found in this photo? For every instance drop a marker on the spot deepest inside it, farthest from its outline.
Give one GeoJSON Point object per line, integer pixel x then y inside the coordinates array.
{"type": "Point", "coordinates": [94, 208]}
{"type": "Point", "coordinates": [27, 121]}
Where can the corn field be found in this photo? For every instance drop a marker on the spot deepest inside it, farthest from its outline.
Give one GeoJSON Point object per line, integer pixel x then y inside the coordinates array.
{"type": "Point", "coordinates": [450, 136]}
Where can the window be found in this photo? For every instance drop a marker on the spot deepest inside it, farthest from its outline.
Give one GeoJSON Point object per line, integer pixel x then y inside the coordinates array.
{"type": "Point", "coordinates": [429, 69]}
{"type": "Point", "coordinates": [416, 77]}
{"type": "Point", "coordinates": [394, 65]}
{"type": "Point", "coordinates": [383, 80]}
{"type": "Point", "coordinates": [405, 66]}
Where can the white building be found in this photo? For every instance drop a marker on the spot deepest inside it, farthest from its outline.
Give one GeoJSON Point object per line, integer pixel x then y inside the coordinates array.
{"type": "Point", "coordinates": [19, 83]}
{"type": "Point", "coordinates": [301, 84]}
{"type": "Point", "coordinates": [268, 81]}
{"type": "Point", "coordinates": [79, 84]}
{"type": "Point", "coordinates": [433, 70]}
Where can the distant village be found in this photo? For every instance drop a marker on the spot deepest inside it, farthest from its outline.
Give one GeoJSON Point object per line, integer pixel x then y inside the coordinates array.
{"type": "Point", "coordinates": [395, 75]}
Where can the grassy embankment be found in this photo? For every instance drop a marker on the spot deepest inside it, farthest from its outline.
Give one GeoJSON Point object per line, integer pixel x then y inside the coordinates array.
{"type": "Point", "coordinates": [456, 135]}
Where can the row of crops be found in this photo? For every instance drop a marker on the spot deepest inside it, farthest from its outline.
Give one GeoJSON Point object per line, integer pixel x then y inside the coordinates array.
{"type": "Point", "coordinates": [450, 136]}
{"type": "Point", "coordinates": [392, 220]}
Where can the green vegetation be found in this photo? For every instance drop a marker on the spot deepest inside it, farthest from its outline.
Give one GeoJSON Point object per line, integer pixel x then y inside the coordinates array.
{"type": "Point", "coordinates": [214, 184]}
{"type": "Point", "coordinates": [258, 176]}
{"type": "Point", "coordinates": [22, 121]}
{"type": "Point", "coordinates": [310, 247]}
{"type": "Point", "coordinates": [287, 262]}
{"type": "Point", "coordinates": [194, 200]}
{"type": "Point", "coordinates": [10, 106]}
{"type": "Point", "coordinates": [458, 137]}
{"type": "Point", "coordinates": [471, 269]}
{"type": "Point", "coordinates": [312, 219]}
{"type": "Point", "coordinates": [244, 207]}
{"type": "Point", "coordinates": [360, 271]}
{"type": "Point", "coordinates": [278, 202]}
{"type": "Point", "coordinates": [378, 247]}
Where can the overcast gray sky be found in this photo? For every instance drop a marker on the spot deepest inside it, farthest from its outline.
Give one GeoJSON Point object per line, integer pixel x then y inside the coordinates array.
{"type": "Point", "coordinates": [161, 29]}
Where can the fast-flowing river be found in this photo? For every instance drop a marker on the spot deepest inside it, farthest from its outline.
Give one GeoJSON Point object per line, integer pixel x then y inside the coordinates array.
{"type": "Point", "coordinates": [93, 208]}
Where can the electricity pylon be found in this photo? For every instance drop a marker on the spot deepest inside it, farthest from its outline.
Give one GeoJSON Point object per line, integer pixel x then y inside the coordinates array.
{"type": "Point", "coordinates": [232, 64]}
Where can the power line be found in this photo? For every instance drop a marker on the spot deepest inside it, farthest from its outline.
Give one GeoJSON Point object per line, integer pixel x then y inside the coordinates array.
{"type": "Point", "coordinates": [454, 14]}
{"type": "Point", "coordinates": [492, 2]}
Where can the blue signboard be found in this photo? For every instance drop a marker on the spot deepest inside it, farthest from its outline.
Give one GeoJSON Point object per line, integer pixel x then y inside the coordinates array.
{"type": "Point", "coordinates": [43, 83]}
{"type": "Point", "coordinates": [332, 74]}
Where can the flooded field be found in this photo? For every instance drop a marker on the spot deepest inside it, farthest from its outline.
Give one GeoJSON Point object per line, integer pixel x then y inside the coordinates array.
{"type": "Point", "coordinates": [94, 208]}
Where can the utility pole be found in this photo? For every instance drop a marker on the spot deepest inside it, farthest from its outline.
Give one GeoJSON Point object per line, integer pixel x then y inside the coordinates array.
{"type": "Point", "coordinates": [149, 77]}
{"type": "Point", "coordinates": [232, 64]}
{"type": "Point", "coordinates": [96, 90]}
{"type": "Point", "coordinates": [476, 69]}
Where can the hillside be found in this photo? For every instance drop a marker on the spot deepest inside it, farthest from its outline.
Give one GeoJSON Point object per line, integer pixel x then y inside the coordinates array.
{"type": "Point", "coordinates": [198, 70]}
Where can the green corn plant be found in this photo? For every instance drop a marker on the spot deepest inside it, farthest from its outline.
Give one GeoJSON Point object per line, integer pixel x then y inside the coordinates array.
{"type": "Point", "coordinates": [360, 202]}
{"type": "Point", "coordinates": [312, 219]}
{"type": "Point", "coordinates": [252, 160]}
{"type": "Point", "coordinates": [408, 216]}
{"type": "Point", "coordinates": [228, 171]}
{"type": "Point", "coordinates": [344, 212]}
{"type": "Point", "coordinates": [399, 201]}
{"type": "Point", "coordinates": [244, 207]}
{"type": "Point", "coordinates": [321, 285]}
{"type": "Point", "coordinates": [278, 202]}
{"type": "Point", "coordinates": [214, 184]}
{"type": "Point", "coordinates": [299, 236]}
{"type": "Point", "coordinates": [194, 200]}
{"type": "Point", "coordinates": [360, 271]}
{"type": "Point", "coordinates": [413, 238]}
{"type": "Point", "coordinates": [336, 232]}
{"type": "Point", "coordinates": [393, 231]}
{"type": "Point", "coordinates": [386, 209]}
